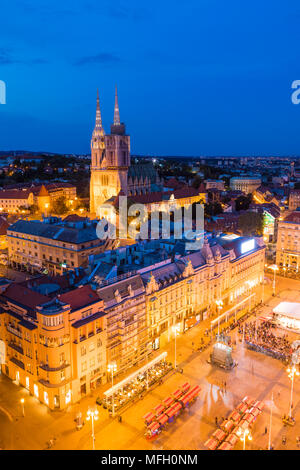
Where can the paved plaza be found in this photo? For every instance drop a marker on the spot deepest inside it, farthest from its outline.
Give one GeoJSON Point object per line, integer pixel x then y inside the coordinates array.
{"type": "Point", "coordinates": [256, 375]}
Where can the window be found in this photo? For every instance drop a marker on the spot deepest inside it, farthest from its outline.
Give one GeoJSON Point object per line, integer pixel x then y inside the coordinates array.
{"type": "Point", "coordinates": [83, 351]}
{"type": "Point", "coordinates": [92, 362]}
{"type": "Point", "coordinates": [46, 398]}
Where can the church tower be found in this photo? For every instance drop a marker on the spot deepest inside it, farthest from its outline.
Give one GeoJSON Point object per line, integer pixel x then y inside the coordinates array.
{"type": "Point", "coordinates": [110, 159]}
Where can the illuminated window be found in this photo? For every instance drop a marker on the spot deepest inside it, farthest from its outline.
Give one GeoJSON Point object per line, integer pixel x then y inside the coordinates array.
{"type": "Point", "coordinates": [27, 382]}
{"type": "Point", "coordinates": [36, 390]}
{"type": "Point", "coordinates": [68, 397]}
{"type": "Point", "coordinates": [46, 398]}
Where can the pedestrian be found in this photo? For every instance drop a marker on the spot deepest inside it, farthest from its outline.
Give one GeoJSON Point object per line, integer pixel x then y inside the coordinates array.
{"type": "Point", "coordinates": [297, 441]}
{"type": "Point", "coordinates": [216, 421]}
{"type": "Point", "coordinates": [266, 429]}
{"type": "Point", "coordinates": [225, 385]}
{"type": "Point", "coordinates": [283, 440]}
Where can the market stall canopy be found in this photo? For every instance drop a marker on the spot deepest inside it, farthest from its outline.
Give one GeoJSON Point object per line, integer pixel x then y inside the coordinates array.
{"type": "Point", "coordinates": [288, 309]}
{"type": "Point", "coordinates": [185, 387]}
{"type": "Point", "coordinates": [225, 446]}
{"type": "Point", "coordinates": [248, 400]}
{"type": "Point", "coordinates": [168, 401]}
{"type": "Point", "coordinates": [148, 417]}
{"type": "Point", "coordinates": [163, 419]}
{"type": "Point", "coordinates": [259, 404]}
{"type": "Point", "coordinates": [219, 434]}
{"type": "Point", "coordinates": [211, 444]}
{"type": "Point", "coordinates": [242, 408]}
{"type": "Point", "coordinates": [227, 425]}
{"type": "Point", "coordinates": [232, 439]}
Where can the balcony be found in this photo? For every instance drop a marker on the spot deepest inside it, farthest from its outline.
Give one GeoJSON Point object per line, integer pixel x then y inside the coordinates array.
{"type": "Point", "coordinates": [17, 362]}
{"type": "Point", "coordinates": [17, 348]}
{"type": "Point", "coordinates": [47, 368]}
{"type": "Point", "coordinates": [14, 331]}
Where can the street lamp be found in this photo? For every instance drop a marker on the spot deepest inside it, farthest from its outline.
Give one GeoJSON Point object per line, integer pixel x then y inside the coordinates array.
{"type": "Point", "coordinates": [244, 434]}
{"type": "Point", "coordinates": [219, 304]}
{"type": "Point", "coordinates": [291, 374]}
{"type": "Point", "coordinates": [23, 407]}
{"type": "Point", "coordinates": [93, 416]}
{"type": "Point", "coordinates": [175, 329]}
{"type": "Point", "coordinates": [111, 368]}
{"type": "Point", "coordinates": [275, 268]}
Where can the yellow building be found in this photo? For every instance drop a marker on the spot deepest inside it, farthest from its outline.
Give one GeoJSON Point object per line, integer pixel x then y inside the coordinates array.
{"type": "Point", "coordinates": [59, 347]}
{"type": "Point", "coordinates": [57, 350]}
{"type": "Point", "coordinates": [52, 245]}
{"type": "Point", "coordinates": [288, 242]}
{"type": "Point", "coordinates": [184, 292]}
{"type": "Point", "coordinates": [18, 199]}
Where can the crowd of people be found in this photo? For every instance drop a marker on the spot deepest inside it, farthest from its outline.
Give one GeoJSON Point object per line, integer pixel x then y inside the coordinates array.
{"type": "Point", "coordinates": [261, 337]}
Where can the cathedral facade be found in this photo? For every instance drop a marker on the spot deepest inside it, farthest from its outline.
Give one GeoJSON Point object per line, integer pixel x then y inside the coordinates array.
{"type": "Point", "coordinates": [111, 170]}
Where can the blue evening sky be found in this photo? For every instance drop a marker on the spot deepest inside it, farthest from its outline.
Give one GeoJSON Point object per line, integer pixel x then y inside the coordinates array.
{"type": "Point", "coordinates": [195, 77]}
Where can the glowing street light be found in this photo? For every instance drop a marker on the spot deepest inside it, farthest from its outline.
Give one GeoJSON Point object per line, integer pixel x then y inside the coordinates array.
{"type": "Point", "coordinates": [219, 304]}
{"type": "Point", "coordinates": [291, 374]}
{"type": "Point", "coordinates": [22, 401]}
{"type": "Point", "coordinates": [93, 416]}
{"type": "Point", "coordinates": [244, 434]}
{"type": "Point", "coordinates": [175, 329]}
{"type": "Point", "coordinates": [274, 268]}
{"type": "Point", "coordinates": [111, 368]}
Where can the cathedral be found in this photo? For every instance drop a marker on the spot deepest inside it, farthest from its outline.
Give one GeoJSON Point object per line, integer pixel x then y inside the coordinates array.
{"type": "Point", "coordinates": [111, 169]}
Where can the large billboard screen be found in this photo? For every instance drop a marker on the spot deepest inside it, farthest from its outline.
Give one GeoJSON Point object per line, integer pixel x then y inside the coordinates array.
{"type": "Point", "coordinates": [248, 246]}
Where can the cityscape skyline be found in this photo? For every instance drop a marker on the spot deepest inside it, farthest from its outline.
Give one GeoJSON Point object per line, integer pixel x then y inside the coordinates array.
{"type": "Point", "coordinates": [149, 228]}
{"type": "Point", "coordinates": [222, 86]}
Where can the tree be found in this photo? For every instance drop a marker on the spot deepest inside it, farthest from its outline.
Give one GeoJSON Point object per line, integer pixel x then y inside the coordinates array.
{"type": "Point", "coordinates": [242, 203]}
{"type": "Point", "coordinates": [196, 182]}
{"type": "Point", "coordinates": [59, 206]}
{"type": "Point", "coordinates": [212, 208]}
{"type": "Point", "coordinates": [251, 223]}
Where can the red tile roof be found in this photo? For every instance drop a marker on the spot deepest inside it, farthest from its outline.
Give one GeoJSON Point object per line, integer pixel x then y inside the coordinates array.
{"type": "Point", "coordinates": [3, 225]}
{"type": "Point", "coordinates": [157, 196]}
{"type": "Point", "coordinates": [74, 218]}
{"type": "Point", "coordinates": [173, 183]}
{"type": "Point", "coordinates": [14, 194]}
{"type": "Point", "coordinates": [79, 298]}
{"type": "Point", "coordinates": [293, 217]}
{"type": "Point", "coordinates": [23, 296]}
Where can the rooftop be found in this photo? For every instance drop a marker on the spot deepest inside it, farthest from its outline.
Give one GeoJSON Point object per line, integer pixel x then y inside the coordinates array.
{"type": "Point", "coordinates": [82, 234]}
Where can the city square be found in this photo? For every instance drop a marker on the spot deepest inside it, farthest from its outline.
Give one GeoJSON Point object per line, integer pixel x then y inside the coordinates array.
{"type": "Point", "coordinates": [256, 375]}
{"type": "Point", "coordinates": [149, 230]}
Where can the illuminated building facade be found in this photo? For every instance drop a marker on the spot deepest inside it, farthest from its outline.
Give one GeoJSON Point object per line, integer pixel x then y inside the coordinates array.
{"type": "Point", "coordinates": [52, 245]}
{"type": "Point", "coordinates": [288, 242]}
{"type": "Point", "coordinates": [43, 196]}
{"type": "Point", "coordinates": [247, 184]}
{"type": "Point", "coordinates": [294, 199]}
{"type": "Point", "coordinates": [59, 346]}
{"type": "Point", "coordinates": [111, 170]}
{"type": "Point", "coordinates": [184, 291]}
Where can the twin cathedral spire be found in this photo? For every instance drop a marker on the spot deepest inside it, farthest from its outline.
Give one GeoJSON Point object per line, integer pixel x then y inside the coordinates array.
{"type": "Point", "coordinates": [110, 159]}
{"type": "Point", "coordinates": [117, 127]}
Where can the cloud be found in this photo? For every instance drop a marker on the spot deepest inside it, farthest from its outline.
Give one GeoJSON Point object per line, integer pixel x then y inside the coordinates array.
{"type": "Point", "coordinates": [8, 58]}
{"type": "Point", "coordinates": [101, 58]}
